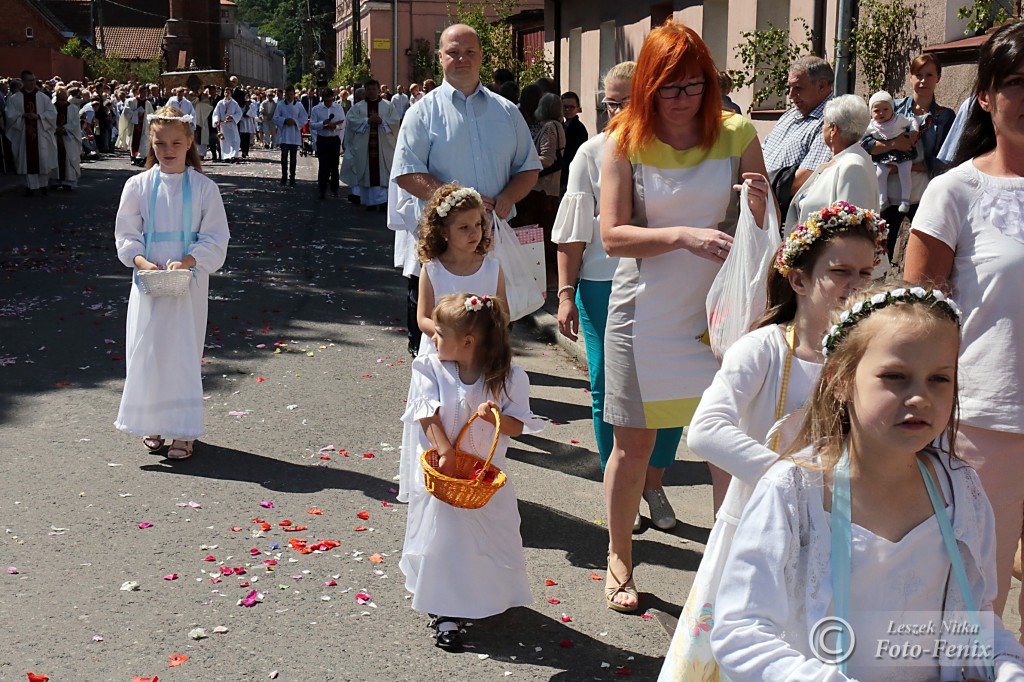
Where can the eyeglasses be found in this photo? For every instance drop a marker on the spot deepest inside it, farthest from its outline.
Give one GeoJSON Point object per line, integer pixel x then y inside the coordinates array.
{"type": "Point", "coordinates": [691, 89]}
{"type": "Point", "coordinates": [612, 105]}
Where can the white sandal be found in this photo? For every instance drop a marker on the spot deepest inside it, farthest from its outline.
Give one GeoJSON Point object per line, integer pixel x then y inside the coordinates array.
{"type": "Point", "coordinates": [177, 451]}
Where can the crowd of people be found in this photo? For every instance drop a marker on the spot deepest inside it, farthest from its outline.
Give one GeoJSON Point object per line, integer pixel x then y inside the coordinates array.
{"type": "Point", "coordinates": [862, 435]}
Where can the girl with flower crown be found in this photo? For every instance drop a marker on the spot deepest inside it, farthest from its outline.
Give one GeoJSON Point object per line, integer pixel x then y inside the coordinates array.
{"type": "Point", "coordinates": [868, 551]}
{"type": "Point", "coordinates": [466, 563]}
{"type": "Point", "coordinates": [453, 247]}
{"type": "Point", "coordinates": [171, 217]}
{"type": "Point", "coordinates": [766, 376]}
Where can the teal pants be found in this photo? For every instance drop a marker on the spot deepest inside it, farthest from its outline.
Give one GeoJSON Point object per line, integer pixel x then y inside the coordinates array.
{"type": "Point", "coordinates": [592, 301]}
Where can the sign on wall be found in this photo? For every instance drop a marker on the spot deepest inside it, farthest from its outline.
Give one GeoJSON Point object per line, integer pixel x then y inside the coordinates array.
{"type": "Point", "coordinates": [382, 43]}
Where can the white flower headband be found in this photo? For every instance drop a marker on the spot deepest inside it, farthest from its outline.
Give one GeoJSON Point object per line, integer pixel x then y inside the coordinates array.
{"type": "Point", "coordinates": [850, 317]}
{"type": "Point", "coordinates": [452, 200]}
{"type": "Point", "coordinates": [187, 118]}
{"type": "Point", "coordinates": [477, 303]}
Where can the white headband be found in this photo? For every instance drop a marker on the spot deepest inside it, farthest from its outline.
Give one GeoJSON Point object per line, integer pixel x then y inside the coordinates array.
{"type": "Point", "coordinates": [187, 118]}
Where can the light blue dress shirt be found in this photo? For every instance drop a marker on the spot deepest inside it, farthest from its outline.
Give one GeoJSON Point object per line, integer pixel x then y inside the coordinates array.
{"type": "Point", "coordinates": [480, 141]}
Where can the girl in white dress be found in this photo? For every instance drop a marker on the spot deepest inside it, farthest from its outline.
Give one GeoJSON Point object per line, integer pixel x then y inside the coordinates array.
{"type": "Point", "coordinates": [453, 248]}
{"type": "Point", "coordinates": [766, 376]}
{"type": "Point", "coordinates": [870, 532]}
{"type": "Point", "coordinates": [171, 216]}
{"type": "Point", "coordinates": [466, 563]}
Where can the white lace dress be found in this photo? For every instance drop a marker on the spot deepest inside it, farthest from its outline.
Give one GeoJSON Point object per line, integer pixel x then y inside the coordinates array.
{"type": "Point", "coordinates": [465, 563]}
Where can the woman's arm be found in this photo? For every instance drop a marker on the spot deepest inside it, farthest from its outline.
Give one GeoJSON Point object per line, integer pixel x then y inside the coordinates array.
{"type": "Point", "coordinates": [425, 305]}
{"type": "Point", "coordinates": [631, 241]}
{"type": "Point", "coordinates": [570, 258]}
{"type": "Point", "coordinates": [547, 143]}
{"type": "Point", "coordinates": [929, 261]}
{"type": "Point", "coordinates": [752, 166]}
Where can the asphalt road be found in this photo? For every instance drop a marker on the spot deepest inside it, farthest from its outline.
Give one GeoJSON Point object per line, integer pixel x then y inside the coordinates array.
{"type": "Point", "coordinates": [305, 377]}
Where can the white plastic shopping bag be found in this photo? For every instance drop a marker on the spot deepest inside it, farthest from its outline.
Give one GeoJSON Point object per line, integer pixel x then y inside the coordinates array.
{"type": "Point", "coordinates": [523, 291]}
{"type": "Point", "coordinates": [737, 296]}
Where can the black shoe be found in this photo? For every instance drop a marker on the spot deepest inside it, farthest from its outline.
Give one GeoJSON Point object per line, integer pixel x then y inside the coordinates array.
{"type": "Point", "coordinates": [291, 183]}
{"type": "Point", "coordinates": [284, 181]}
{"type": "Point", "coordinates": [449, 639]}
{"type": "Point", "coordinates": [334, 193]}
{"type": "Point", "coordinates": [354, 199]}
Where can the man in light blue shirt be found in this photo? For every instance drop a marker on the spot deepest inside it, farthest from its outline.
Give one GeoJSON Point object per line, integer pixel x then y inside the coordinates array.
{"type": "Point", "coordinates": [461, 132]}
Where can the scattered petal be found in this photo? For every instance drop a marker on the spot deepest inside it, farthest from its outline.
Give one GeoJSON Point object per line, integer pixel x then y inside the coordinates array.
{"type": "Point", "coordinates": [130, 586]}
{"type": "Point", "coordinates": [145, 524]}
{"type": "Point", "coordinates": [273, 674]}
{"type": "Point", "coordinates": [198, 633]}
{"type": "Point", "coordinates": [251, 599]}
{"type": "Point", "coordinates": [376, 558]}
{"type": "Point", "coordinates": [254, 552]}
{"type": "Point", "coordinates": [368, 455]}
{"type": "Point", "coordinates": [145, 679]}
{"type": "Point", "coordinates": [574, 441]}
{"type": "Point", "coordinates": [646, 616]}
{"type": "Point", "coordinates": [97, 638]}
{"type": "Point", "coordinates": [331, 583]}
{"type": "Point", "coordinates": [176, 660]}
{"type": "Point", "coordinates": [32, 677]}
{"type": "Point", "coordinates": [554, 601]}
{"type": "Point", "coordinates": [266, 504]}
{"type": "Point", "coordinates": [171, 576]}
{"type": "Point", "coordinates": [315, 511]}
{"type": "Point", "coordinates": [363, 598]}
{"type": "Point", "coordinates": [595, 576]}
{"type": "Point", "coordinates": [236, 528]}
{"type": "Point", "coordinates": [566, 618]}
{"type": "Point", "coordinates": [550, 583]}
{"type": "Point", "coordinates": [210, 558]}
{"type": "Point", "coordinates": [565, 644]}
{"type": "Point", "coordinates": [220, 629]}
{"type": "Point", "coordinates": [260, 380]}
{"type": "Point", "coordinates": [364, 515]}
{"type": "Point", "coordinates": [623, 670]}
{"type": "Point", "coordinates": [12, 570]}
{"type": "Point", "coordinates": [360, 529]}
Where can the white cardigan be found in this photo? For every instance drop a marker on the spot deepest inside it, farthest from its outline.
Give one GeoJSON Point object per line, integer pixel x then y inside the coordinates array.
{"type": "Point", "coordinates": [737, 411]}
{"type": "Point", "coordinates": [777, 581]}
{"type": "Point", "coordinates": [850, 178]}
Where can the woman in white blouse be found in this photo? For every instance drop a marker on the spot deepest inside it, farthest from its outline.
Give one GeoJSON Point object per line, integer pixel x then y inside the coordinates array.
{"type": "Point", "coordinates": [850, 175]}
{"type": "Point", "coordinates": [967, 236]}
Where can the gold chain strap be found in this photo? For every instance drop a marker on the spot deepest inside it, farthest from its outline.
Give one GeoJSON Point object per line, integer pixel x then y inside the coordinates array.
{"type": "Point", "coordinates": [780, 407]}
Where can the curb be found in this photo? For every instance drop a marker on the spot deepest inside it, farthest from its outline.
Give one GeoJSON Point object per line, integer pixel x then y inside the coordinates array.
{"type": "Point", "coordinates": [545, 323]}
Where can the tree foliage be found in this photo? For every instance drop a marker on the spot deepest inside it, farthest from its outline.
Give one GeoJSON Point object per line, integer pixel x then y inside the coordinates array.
{"type": "Point", "coordinates": [766, 56]}
{"type": "Point", "coordinates": [882, 40]}
{"type": "Point", "coordinates": [983, 14]}
{"type": "Point", "coordinates": [497, 39]}
{"type": "Point", "coordinates": [286, 22]}
{"type": "Point", "coordinates": [348, 73]}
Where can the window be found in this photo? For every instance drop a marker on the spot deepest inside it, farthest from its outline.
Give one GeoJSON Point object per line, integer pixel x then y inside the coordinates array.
{"type": "Point", "coordinates": [29, 33]}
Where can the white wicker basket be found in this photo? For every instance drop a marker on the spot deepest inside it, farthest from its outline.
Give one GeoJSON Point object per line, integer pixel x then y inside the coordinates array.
{"type": "Point", "coordinates": [164, 282]}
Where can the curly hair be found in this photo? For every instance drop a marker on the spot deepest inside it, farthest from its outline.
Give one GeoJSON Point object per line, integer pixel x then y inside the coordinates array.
{"type": "Point", "coordinates": [432, 225]}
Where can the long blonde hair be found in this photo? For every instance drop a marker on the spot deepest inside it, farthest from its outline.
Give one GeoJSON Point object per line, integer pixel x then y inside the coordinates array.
{"type": "Point", "coordinates": [192, 155]}
{"type": "Point", "coordinates": [490, 327]}
{"type": "Point", "coordinates": [827, 424]}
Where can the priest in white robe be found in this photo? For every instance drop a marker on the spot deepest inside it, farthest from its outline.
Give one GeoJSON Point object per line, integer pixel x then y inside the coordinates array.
{"type": "Point", "coordinates": [203, 111]}
{"type": "Point", "coordinates": [226, 116]}
{"type": "Point", "coordinates": [69, 142]}
{"type": "Point", "coordinates": [133, 127]}
{"type": "Point", "coordinates": [31, 126]}
{"type": "Point", "coordinates": [371, 127]}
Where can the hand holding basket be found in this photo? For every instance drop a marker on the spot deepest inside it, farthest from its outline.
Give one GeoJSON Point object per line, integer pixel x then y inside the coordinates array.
{"type": "Point", "coordinates": [475, 480]}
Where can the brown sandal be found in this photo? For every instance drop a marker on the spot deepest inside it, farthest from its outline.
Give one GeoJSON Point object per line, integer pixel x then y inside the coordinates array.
{"type": "Point", "coordinates": [180, 451]}
{"type": "Point", "coordinates": [614, 587]}
{"type": "Point", "coordinates": [154, 443]}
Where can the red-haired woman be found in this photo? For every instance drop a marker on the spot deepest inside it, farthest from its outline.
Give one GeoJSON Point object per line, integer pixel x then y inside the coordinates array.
{"type": "Point", "coordinates": [667, 210]}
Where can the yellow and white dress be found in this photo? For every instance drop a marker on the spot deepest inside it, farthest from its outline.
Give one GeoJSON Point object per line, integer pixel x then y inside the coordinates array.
{"type": "Point", "coordinates": [656, 365]}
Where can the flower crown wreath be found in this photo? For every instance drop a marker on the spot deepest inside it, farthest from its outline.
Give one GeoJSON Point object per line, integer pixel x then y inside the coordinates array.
{"type": "Point", "coordinates": [186, 118]}
{"type": "Point", "coordinates": [828, 220]}
{"type": "Point", "coordinates": [453, 199]}
{"type": "Point", "coordinates": [851, 316]}
{"type": "Point", "coordinates": [477, 303]}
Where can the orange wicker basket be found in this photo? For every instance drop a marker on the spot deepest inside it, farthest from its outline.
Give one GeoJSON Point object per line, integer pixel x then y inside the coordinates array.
{"type": "Point", "coordinates": [465, 490]}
